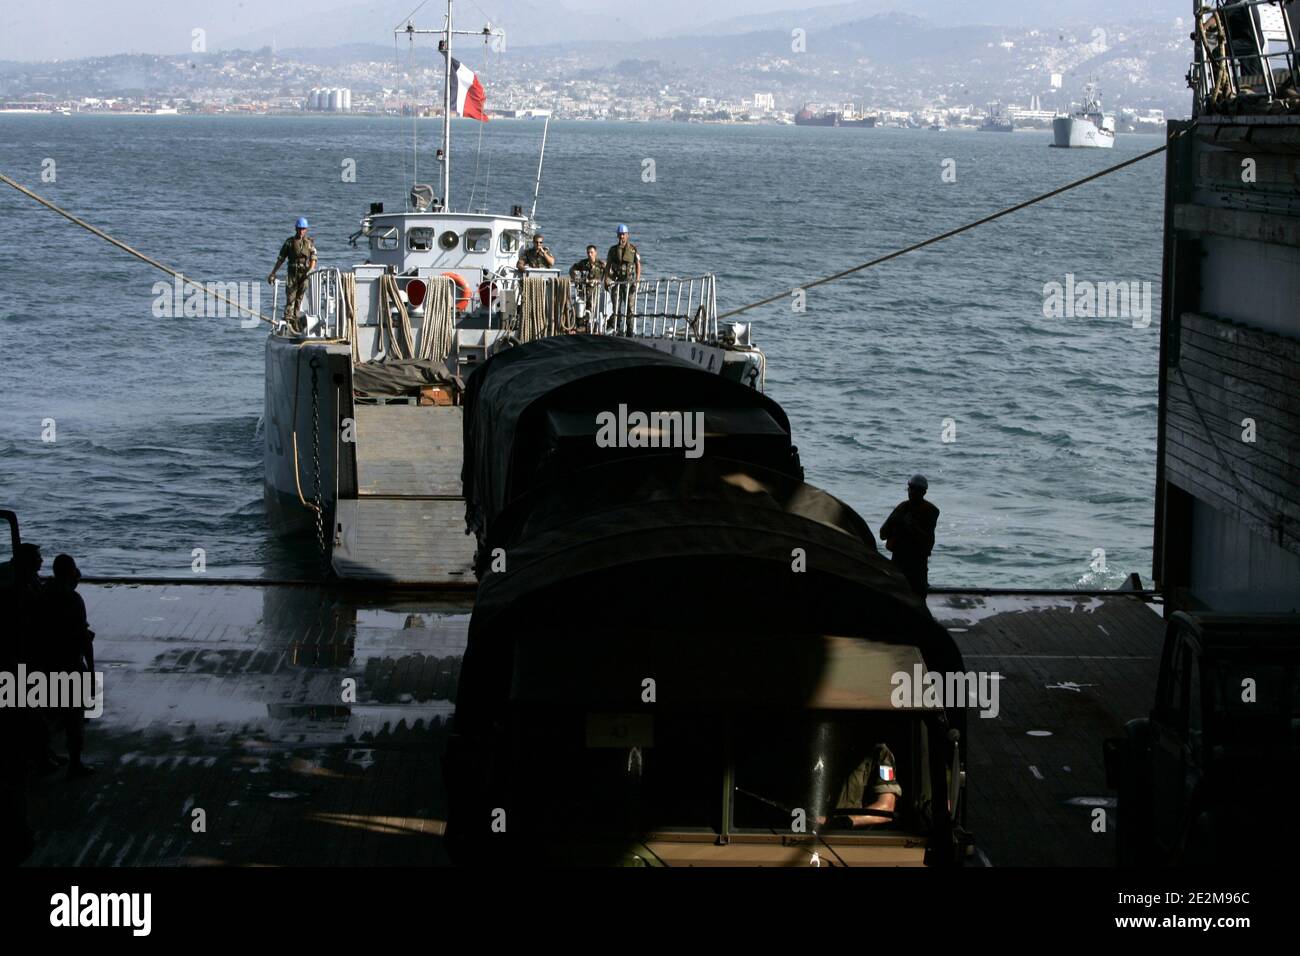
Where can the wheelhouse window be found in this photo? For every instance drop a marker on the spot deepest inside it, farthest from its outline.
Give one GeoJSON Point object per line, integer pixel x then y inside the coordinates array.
{"type": "Point", "coordinates": [387, 239]}
{"type": "Point", "coordinates": [419, 239]}
{"type": "Point", "coordinates": [510, 240]}
{"type": "Point", "coordinates": [478, 240]}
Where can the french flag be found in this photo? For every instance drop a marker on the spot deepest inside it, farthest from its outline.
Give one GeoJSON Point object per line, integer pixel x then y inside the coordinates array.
{"type": "Point", "coordinates": [467, 94]}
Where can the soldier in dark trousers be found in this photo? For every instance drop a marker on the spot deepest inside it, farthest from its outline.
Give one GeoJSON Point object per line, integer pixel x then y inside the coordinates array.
{"type": "Point", "coordinates": [22, 731]}
{"type": "Point", "coordinates": [586, 275]}
{"type": "Point", "coordinates": [300, 252]}
{"type": "Point", "coordinates": [71, 651]}
{"type": "Point", "coordinates": [908, 534]}
{"type": "Point", "coordinates": [30, 648]}
{"type": "Point", "coordinates": [623, 271]}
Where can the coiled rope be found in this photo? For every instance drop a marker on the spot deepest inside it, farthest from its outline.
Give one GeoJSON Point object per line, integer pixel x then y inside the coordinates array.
{"type": "Point", "coordinates": [127, 249]}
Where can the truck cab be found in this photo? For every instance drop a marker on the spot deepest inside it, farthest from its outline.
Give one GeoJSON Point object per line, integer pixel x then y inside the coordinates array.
{"type": "Point", "coordinates": [1209, 774]}
{"type": "Point", "coordinates": [760, 752]}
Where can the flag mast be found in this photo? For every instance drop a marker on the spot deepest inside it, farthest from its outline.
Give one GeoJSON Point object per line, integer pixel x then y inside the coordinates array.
{"type": "Point", "coordinates": [444, 47]}
{"type": "Point", "coordinates": [446, 116]}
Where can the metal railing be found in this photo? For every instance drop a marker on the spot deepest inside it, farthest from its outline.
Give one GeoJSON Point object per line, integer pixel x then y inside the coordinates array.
{"type": "Point", "coordinates": [672, 308]}
{"type": "Point", "coordinates": [1245, 56]}
{"type": "Point", "coordinates": [323, 306]}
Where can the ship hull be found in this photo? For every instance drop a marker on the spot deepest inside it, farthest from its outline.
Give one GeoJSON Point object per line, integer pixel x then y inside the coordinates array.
{"type": "Point", "coordinates": [833, 119]}
{"type": "Point", "coordinates": [1072, 133]}
{"type": "Point", "coordinates": [288, 450]}
{"type": "Point", "coordinates": [816, 121]}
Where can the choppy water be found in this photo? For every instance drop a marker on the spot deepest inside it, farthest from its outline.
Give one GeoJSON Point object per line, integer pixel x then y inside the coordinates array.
{"type": "Point", "coordinates": [157, 449]}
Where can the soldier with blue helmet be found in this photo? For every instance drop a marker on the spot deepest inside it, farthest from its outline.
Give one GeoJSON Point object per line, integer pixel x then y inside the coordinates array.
{"type": "Point", "coordinates": [300, 252]}
{"type": "Point", "coordinates": [623, 271]}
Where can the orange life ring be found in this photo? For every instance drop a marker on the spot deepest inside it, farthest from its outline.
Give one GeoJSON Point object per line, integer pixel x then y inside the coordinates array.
{"type": "Point", "coordinates": [463, 299]}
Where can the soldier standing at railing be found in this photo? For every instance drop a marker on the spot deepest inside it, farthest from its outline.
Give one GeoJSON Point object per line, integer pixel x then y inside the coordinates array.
{"type": "Point", "coordinates": [300, 252]}
{"type": "Point", "coordinates": [623, 269]}
{"type": "Point", "coordinates": [586, 275]}
{"type": "Point", "coordinates": [538, 256]}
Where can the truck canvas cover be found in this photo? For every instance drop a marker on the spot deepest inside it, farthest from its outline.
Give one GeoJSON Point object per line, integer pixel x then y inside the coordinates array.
{"type": "Point", "coordinates": [508, 400]}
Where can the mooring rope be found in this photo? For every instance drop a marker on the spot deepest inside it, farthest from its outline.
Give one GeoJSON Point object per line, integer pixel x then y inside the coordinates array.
{"type": "Point", "coordinates": [949, 234]}
{"type": "Point", "coordinates": [127, 249]}
{"type": "Point", "coordinates": [439, 320]}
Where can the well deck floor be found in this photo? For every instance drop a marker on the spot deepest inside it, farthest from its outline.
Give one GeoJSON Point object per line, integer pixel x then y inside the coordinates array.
{"type": "Point", "coordinates": [227, 699]}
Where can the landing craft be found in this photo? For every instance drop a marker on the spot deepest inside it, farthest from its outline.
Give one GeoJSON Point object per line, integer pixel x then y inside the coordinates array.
{"type": "Point", "coordinates": [363, 407]}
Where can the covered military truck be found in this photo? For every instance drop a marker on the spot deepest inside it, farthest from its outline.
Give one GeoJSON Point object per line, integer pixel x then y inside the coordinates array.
{"type": "Point", "coordinates": [680, 660]}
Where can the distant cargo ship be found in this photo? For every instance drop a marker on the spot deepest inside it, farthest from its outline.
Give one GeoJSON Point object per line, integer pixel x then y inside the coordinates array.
{"type": "Point", "coordinates": [1087, 126]}
{"type": "Point", "coordinates": [845, 117]}
{"type": "Point", "coordinates": [520, 114]}
{"type": "Point", "coordinates": [997, 121]}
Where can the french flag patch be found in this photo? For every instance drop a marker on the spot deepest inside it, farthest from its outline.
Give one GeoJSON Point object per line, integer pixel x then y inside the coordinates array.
{"type": "Point", "coordinates": [886, 773]}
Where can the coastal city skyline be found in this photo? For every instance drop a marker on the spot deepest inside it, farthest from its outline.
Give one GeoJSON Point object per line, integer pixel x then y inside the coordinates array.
{"type": "Point", "coordinates": [891, 64]}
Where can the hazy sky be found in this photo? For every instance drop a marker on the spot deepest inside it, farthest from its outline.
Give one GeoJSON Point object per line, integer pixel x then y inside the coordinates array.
{"type": "Point", "coordinates": [67, 29]}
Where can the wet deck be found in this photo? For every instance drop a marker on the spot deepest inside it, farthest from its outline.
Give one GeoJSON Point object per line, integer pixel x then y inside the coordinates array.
{"type": "Point", "coordinates": [230, 700]}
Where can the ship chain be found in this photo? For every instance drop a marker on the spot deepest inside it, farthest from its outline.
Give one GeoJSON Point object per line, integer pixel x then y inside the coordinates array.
{"type": "Point", "coordinates": [318, 501]}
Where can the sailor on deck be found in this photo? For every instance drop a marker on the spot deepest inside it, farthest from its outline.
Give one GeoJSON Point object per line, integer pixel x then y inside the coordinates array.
{"type": "Point", "coordinates": [300, 252]}
{"type": "Point", "coordinates": [908, 533]}
{"type": "Point", "coordinates": [70, 650]}
{"type": "Point", "coordinates": [586, 275]}
{"type": "Point", "coordinates": [623, 270]}
{"type": "Point", "coordinates": [535, 257]}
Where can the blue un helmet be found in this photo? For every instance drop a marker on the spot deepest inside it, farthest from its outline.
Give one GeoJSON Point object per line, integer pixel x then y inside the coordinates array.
{"type": "Point", "coordinates": [301, 223]}
{"type": "Point", "coordinates": [622, 228]}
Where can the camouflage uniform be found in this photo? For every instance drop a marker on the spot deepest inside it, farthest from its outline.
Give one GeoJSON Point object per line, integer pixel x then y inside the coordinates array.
{"type": "Point", "coordinates": [533, 259]}
{"type": "Point", "coordinates": [872, 777]}
{"type": "Point", "coordinates": [587, 275]}
{"type": "Point", "coordinates": [622, 269]}
{"type": "Point", "coordinates": [299, 253]}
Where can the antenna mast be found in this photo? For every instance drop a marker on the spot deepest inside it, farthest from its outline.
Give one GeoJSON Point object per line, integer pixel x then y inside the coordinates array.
{"type": "Point", "coordinates": [446, 115]}
{"type": "Point", "coordinates": [541, 156]}
{"type": "Point", "coordinates": [444, 47]}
